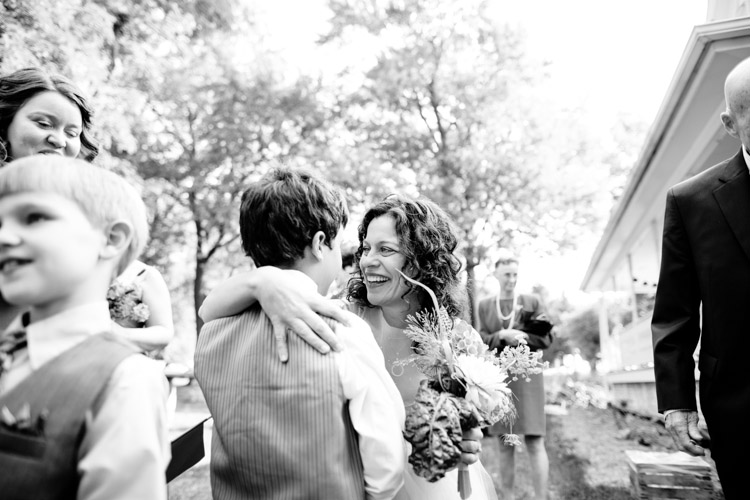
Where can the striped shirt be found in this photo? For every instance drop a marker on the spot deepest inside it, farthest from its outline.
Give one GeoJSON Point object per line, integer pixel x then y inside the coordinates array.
{"type": "Point", "coordinates": [318, 426]}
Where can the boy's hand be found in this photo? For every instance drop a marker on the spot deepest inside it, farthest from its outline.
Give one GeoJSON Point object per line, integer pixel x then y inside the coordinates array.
{"type": "Point", "coordinates": [291, 301]}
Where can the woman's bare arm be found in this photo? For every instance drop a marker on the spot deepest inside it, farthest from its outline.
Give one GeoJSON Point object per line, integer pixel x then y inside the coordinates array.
{"type": "Point", "coordinates": [159, 328]}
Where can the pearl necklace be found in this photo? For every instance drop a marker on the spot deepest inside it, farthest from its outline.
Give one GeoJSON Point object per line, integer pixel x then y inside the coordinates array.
{"type": "Point", "coordinates": [505, 317]}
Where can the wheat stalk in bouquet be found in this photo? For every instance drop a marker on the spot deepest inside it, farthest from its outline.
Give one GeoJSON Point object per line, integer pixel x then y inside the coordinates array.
{"type": "Point", "coordinates": [465, 387]}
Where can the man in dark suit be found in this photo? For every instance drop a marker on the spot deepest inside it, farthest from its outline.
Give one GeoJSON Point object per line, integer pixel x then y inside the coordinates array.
{"type": "Point", "coordinates": [704, 284]}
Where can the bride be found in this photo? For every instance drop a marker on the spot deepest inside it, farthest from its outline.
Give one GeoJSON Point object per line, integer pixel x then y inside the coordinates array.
{"type": "Point", "coordinates": [397, 235]}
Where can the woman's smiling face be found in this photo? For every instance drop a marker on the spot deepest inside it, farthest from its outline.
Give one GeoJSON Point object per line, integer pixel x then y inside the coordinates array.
{"type": "Point", "coordinates": [48, 123]}
{"type": "Point", "coordinates": [381, 262]}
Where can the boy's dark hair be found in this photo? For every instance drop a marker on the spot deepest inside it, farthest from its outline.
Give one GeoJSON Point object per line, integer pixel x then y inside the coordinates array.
{"type": "Point", "coordinates": [281, 213]}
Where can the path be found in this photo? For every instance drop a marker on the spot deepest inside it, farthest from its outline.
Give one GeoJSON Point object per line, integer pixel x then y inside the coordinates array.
{"type": "Point", "coordinates": [586, 454]}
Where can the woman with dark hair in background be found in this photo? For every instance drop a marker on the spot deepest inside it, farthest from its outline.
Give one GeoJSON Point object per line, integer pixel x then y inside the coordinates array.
{"type": "Point", "coordinates": [43, 113]}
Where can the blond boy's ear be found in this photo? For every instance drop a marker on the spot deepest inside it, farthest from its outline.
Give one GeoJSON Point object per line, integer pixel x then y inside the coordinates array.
{"type": "Point", "coordinates": [118, 236]}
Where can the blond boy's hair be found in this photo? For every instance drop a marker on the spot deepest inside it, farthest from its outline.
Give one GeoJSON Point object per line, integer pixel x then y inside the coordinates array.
{"type": "Point", "coordinates": [104, 197]}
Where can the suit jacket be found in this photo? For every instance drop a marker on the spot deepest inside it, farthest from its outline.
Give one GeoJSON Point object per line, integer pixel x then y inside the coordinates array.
{"type": "Point", "coordinates": [704, 282]}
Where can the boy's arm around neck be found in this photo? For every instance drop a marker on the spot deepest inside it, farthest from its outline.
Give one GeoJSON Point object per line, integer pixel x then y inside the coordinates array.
{"type": "Point", "coordinates": [289, 298]}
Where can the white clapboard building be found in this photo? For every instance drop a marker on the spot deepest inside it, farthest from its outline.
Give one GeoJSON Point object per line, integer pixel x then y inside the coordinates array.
{"type": "Point", "coordinates": [685, 138]}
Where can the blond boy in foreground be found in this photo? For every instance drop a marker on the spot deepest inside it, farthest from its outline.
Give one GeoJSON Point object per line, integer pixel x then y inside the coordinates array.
{"type": "Point", "coordinates": [82, 413]}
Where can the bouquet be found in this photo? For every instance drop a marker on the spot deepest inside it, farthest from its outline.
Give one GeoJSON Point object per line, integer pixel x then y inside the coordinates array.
{"type": "Point", "coordinates": [465, 387]}
{"type": "Point", "coordinates": [125, 304]}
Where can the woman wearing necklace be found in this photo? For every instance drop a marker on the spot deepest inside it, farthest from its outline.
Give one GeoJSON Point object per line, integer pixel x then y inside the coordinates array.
{"type": "Point", "coordinates": [507, 319]}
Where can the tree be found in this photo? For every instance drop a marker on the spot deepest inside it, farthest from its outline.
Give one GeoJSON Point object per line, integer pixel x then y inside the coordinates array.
{"type": "Point", "coordinates": [446, 106]}
{"type": "Point", "coordinates": [151, 69]}
{"type": "Point", "coordinates": [582, 331]}
{"type": "Point", "coordinates": [207, 130]}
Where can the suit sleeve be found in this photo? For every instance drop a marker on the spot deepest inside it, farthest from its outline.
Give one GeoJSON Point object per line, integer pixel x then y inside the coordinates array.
{"type": "Point", "coordinates": [675, 325]}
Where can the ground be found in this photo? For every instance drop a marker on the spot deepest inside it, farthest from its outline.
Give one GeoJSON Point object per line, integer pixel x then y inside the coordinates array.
{"type": "Point", "coordinates": [585, 445]}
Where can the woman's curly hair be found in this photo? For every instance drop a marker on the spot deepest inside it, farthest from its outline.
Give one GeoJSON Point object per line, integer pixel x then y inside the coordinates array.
{"type": "Point", "coordinates": [18, 87]}
{"type": "Point", "coordinates": [427, 238]}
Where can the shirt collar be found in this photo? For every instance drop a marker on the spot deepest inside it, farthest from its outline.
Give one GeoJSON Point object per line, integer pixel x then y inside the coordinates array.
{"type": "Point", "coordinates": [746, 155]}
{"type": "Point", "coordinates": [52, 336]}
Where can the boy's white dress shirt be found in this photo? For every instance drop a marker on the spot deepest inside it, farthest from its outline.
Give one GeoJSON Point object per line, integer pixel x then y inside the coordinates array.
{"type": "Point", "coordinates": [125, 450]}
{"type": "Point", "coordinates": [375, 407]}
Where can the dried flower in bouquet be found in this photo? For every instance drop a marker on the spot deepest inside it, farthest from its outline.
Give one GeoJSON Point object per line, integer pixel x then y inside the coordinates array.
{"type": "Point", "coordinates": [125, 303]}
{"type": "Point", "coordinates": [465, 387]}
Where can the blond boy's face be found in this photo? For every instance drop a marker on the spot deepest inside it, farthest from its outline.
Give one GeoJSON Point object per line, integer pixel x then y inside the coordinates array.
{"type": "Point", "coordinates": [49, 252]}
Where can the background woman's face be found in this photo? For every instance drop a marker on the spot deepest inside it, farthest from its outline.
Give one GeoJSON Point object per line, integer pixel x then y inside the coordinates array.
{"type": "Point", "coordinates": [381, 262]}
{"type": "Point", "coordinates": [507, 275]}
{"type": "Point", "coordinates": [48, 123]}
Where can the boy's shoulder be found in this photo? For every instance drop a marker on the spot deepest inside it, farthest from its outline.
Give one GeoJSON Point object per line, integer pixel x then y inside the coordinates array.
{"type": "Point", "coordinates": [252, 317]}
{"type": "Point", "coordinates": [134, 367]}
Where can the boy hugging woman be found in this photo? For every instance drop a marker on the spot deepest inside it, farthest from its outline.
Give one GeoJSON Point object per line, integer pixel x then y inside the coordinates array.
{"type": "Point", "coordinates": [318, 426]}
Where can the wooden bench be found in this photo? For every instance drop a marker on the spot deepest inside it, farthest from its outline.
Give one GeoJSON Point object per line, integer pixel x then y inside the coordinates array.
{"type": "Point", "coordinates": [669, 475]}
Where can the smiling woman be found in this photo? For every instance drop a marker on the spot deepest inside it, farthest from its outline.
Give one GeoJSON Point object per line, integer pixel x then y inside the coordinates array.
{"type": "Point", "coordinates": [48, 123]}
{"type": "Point", "coordinates": [43, 113]}
{"type": "Point", "coordinates": [417, 238]}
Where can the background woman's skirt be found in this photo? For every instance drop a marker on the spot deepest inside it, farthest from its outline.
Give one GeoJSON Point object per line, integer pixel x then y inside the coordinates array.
{"type": "Point", "coordinates": [528, 398]}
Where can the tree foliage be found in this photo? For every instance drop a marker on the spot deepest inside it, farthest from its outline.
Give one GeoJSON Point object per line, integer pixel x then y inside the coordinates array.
{"type": "Point", "coordinates": [449, 104]}
{"type": "Point", "coordinates": [192, 105]}
{"type": "Point", "coordinates": [582, 331]}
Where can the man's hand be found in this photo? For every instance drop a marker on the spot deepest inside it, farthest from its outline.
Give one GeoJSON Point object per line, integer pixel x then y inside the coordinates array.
{"type": "Point", "coordinates": [292, 302]}
{"type": "Point", "coordinates": [471, 446]}
{"type": "Point", "coordinates": [683, 427]}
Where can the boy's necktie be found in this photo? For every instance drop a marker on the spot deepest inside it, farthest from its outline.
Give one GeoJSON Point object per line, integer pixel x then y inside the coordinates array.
{"type": "Point", "coordinates": [9, 345]}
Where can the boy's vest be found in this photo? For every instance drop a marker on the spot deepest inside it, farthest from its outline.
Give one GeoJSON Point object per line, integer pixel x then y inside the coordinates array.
{"type": "Point", "coordinates": [281, 430]}
{"type": "Point", "coordinates": [44, 466]}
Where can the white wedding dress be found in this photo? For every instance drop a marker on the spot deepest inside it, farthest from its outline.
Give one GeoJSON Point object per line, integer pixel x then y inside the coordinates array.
{"type": "Point", "coordinates": [397, 346]}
